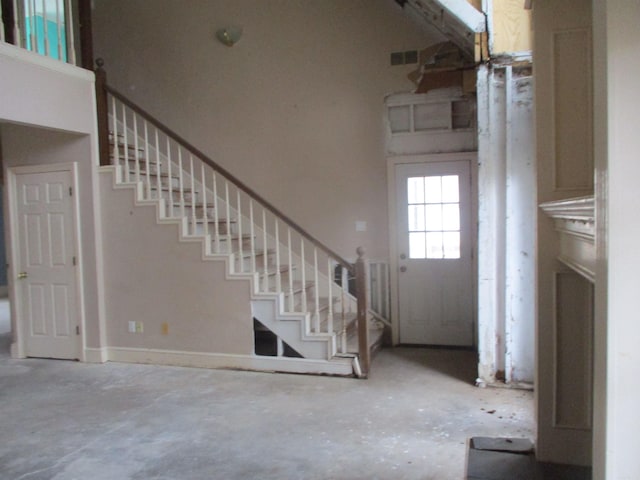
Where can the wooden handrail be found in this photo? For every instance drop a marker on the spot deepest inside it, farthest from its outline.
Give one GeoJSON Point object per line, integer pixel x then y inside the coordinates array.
{"type": "Point", "coordinates": [204, 158]}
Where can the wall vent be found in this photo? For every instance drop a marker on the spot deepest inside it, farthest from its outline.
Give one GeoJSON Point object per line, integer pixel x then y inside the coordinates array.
{"type": "Point", "coordinates": [409, 57]}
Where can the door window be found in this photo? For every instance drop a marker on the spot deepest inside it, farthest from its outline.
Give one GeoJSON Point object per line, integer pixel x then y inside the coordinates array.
{"type": "Point", "coordinates": [433, 205]}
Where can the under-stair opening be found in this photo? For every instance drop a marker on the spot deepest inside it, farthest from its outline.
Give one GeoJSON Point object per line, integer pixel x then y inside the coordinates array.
{"type": "Point", "coordinates": [266, 343]}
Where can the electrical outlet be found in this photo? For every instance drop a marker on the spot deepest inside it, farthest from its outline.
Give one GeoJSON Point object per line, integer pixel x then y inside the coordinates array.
{"type": "Point", "coordinates": [132, 327]}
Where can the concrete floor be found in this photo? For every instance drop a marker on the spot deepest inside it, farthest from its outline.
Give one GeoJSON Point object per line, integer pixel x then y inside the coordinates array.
{"type": "Point", "coordinates": [410, 420]}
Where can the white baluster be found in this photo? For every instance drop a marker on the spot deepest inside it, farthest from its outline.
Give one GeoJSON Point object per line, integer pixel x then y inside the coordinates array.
{"type": "Point", "coordinates": [216, 217]}
{"type": "Point", "coordinates": [278, 276]}
{"type": "Point", "coordinates": [125, 141]}
{"type": "Point", "coordinates": [45, 30]}
{"type": "Point", "coordinates": [316, 290]}
{"type": "Point", "coordinates": [205, 216]}
{"type": "Point", "coordinates": [59, 31]}
{"type": "Point", "coordinates": [158, 183]}
{"type": "Point", "coordinates": [303, 294]}
{"type": "Point", "coordinates": [116, 147]}
{"type": "Point", "coordinates": [136, 146]}
{"type": "Point", "coordinates": [169, 178]}
{"type": "Point", "coordinates": [71, 47]}
{"type": "Point", "coordinates": [33, 24]}
{"type": "Point", "coordinates": [192, 174]}
{"type": "Point", "coordinates": [147, 165]}
{"type": "Point", "coordinates": [290, 269]}
{"type": "Point", "coordinates": [239, 213]}
{"type": "Point", "coordinates": [17, 25]}
{"type": "Point", "coordinates": [330, 290]}
{"type": "Point", "coordinates": [181, 181]}
{"type": "Point", "coordinates": [228, 214]}
{"type": "Point", "coordinates": [378, 288]}
{"type": "Point", "coordinates": [345, 288]}
{"type": "Point", "coordinates": [252, 242]}
{"type": "Point", "coordinates": [265, 250]}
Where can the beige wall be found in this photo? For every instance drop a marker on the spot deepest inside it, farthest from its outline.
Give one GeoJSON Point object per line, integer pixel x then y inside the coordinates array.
{"type": "Point", "coordinates": [152, 278]}
{"type": "Point", "coordinates": [295, 109]}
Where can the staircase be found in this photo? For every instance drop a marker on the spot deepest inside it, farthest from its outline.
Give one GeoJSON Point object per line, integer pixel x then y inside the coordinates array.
{"type": "Point", "coordinates": [299, 307]}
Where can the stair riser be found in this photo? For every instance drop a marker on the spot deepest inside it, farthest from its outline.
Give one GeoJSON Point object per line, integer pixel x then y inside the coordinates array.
{"type": "Point", "coordinates": [200, 230]}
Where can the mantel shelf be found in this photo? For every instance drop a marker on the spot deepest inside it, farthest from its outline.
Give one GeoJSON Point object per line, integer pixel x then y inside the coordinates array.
{"type": "Point", "coordinates": [575, 221]}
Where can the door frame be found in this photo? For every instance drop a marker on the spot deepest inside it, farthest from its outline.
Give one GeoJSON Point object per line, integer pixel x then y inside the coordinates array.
{"type": "Point", "coordinates": [18, 347]}
{"type": "Point", "coordinates": [392, 208]}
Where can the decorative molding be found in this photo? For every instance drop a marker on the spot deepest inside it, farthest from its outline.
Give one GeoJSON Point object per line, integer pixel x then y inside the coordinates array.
{"type": "Point", "coordinates": [575, 222]}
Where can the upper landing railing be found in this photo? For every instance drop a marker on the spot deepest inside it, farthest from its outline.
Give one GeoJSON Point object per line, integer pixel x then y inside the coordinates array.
{"type": "Point", "coordinates": [47, 27]}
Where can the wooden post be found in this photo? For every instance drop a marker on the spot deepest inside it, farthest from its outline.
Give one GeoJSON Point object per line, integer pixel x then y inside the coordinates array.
{"type": "Point", "coordinates": [362, 275]}
{"type": "Point", "coordinates": [102, 110]}
{"type": "Point", "coordinates": [86, 34]}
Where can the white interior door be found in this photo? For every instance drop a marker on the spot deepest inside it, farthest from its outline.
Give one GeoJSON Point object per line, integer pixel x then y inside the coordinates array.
{"type": "Point", "coordinates": [435, 278]}
{"type": "Point", "coordinates": [46, 286]}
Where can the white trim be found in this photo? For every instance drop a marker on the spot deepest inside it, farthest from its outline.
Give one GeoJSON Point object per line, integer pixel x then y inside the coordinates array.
{"type": "Point", "coordinates": [18, 349]}
{"type": "Point", "coordinates": [47, 63]}
{"type": "Point", "coordinates": [95, 355]}
{"type": "Point", "coordinates": [336, 366]}
{"type": "Point", "coordinates": [392, 163]}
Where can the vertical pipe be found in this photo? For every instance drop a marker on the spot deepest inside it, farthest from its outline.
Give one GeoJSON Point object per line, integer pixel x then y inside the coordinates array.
{"type": "Point", "coordinates": [216, 217]}
{"type": "Point", "coordinates": [169, 178]}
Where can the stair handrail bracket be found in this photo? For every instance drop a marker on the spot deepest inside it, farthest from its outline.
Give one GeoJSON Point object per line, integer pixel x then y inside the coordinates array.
{"type": "Point", "coordinates": [259, 242]}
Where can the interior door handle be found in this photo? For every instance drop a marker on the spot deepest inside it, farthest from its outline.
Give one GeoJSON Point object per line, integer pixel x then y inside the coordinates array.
{"type": "Point", "coordinates": [22, 275]}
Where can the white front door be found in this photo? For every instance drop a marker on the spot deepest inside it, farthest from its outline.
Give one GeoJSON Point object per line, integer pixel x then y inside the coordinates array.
{"type": "Point", "coordinates": [46, 289]}
{"type": "Point", "coordinates": [434, 257]}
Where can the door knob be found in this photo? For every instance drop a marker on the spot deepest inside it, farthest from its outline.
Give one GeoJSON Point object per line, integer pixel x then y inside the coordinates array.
{"type": "Point", "coordinates": [22, 275]}
{"type": "Point", "coordinates": [402, 256]}
{"type": "Point", "coordinates": [403, 269]}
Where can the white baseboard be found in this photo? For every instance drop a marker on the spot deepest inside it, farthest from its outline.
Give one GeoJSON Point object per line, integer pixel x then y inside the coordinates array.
{"type": "Point", "coordinates": [340, 366]}
{"type": "Point", "coordinates": [96, 355]}
{"type": "Point", "coordinates": [16, 351]}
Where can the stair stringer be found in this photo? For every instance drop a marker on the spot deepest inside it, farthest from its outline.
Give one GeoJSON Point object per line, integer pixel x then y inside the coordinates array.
{"type": "Point", "coordinates": [292, 327]}
{"type": "Point", "coordinates": [268, 308]}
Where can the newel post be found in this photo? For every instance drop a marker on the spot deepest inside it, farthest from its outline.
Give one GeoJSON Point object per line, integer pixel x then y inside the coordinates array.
{"type": "Point", "coordinates": [362, 287]}
{"type": "Point", "coordinates": [102, 110]}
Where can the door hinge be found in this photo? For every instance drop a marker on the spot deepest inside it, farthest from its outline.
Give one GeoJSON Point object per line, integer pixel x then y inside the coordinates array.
{"type": "Point", "coordinates": [77, 329]}
{"type": "Point", "coordinates": [71, 191]}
